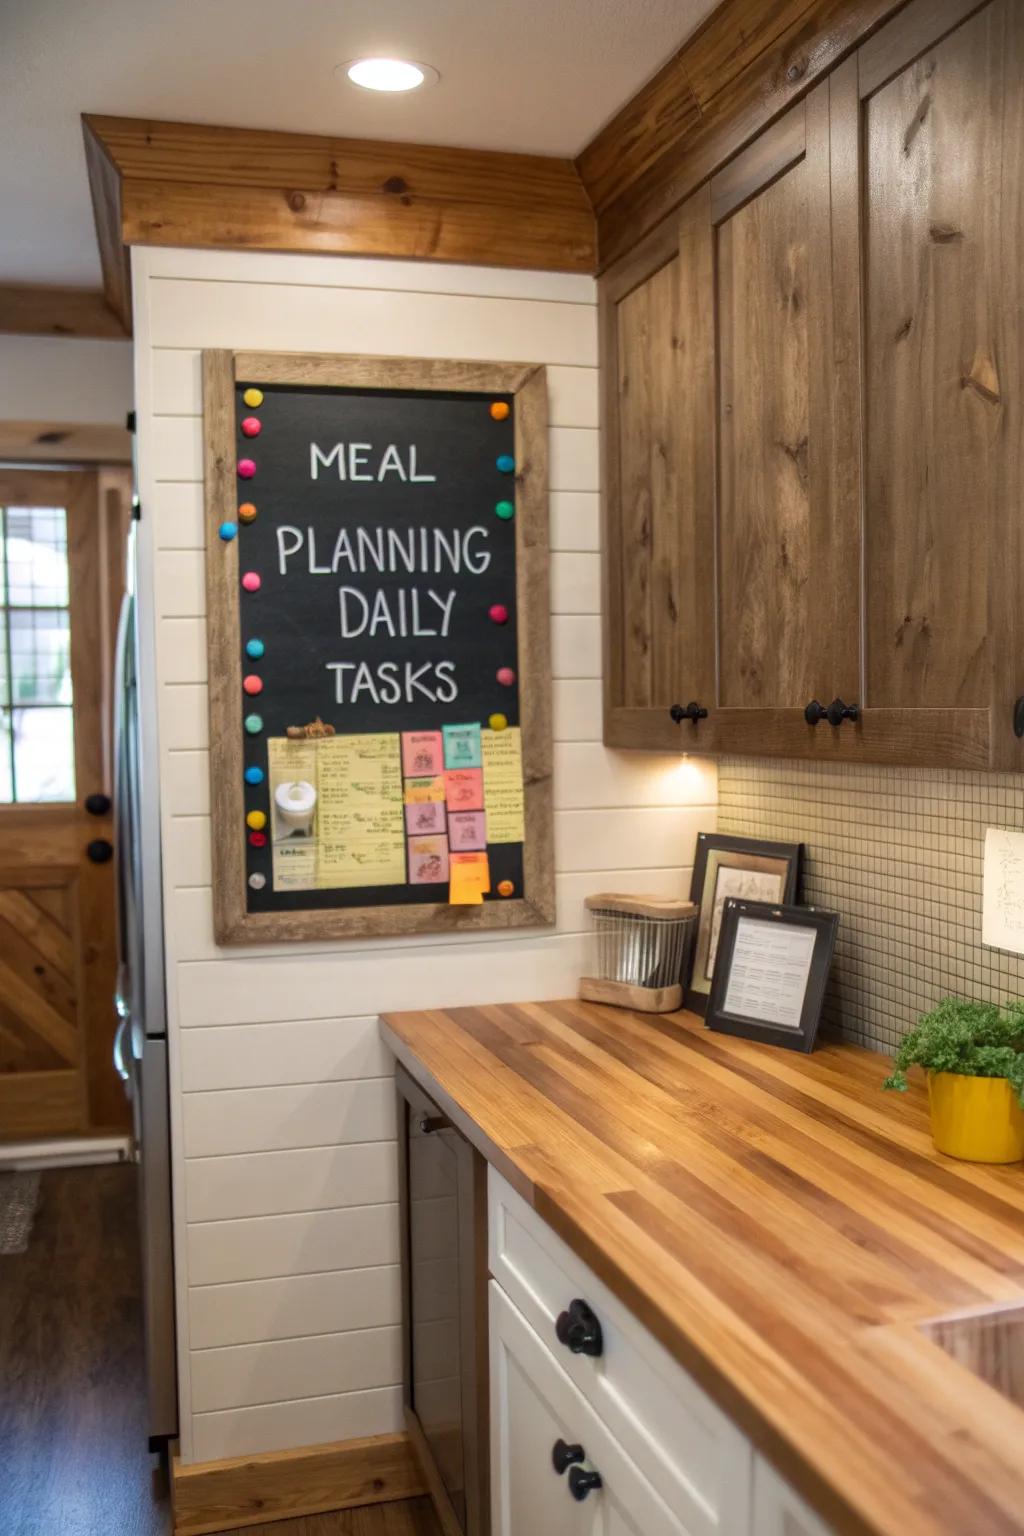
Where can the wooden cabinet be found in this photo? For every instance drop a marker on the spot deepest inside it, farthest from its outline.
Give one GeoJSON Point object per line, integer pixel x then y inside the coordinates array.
{"type": "Point", "coordinates": [814, 439]}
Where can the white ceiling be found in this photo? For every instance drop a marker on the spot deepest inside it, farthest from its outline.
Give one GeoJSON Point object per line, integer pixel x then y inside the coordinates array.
{"type": "Point", "coordinates": [533, 75]}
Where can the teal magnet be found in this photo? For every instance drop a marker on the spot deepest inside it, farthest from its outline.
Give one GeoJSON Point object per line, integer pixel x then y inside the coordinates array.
{"type": "Point", "coordinates": [227, 531]}
{"type": "Point", "coordinates": [506, 463]}
{"type": "Point", "coordinates": [255, 649]}
{"type": "Point", "coordinates": [254, 775]}
{"type": "Point", "coordinates": [505, 510]}
{"type": "Point", "coordinates": [254, 724]}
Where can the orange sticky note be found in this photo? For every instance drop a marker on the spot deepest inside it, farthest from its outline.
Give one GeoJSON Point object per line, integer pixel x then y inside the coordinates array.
{"type": "Point", "coordinates": [469, 877]}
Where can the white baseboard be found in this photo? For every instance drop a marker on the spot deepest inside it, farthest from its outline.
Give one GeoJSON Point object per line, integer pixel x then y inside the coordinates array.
{"type": "Point", "coordinates": [65, 1152]}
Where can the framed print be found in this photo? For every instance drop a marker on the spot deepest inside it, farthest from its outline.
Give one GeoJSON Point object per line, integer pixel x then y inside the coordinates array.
{"type": "Point", "coordinates": [770, 975]}
{"type": "Point", "coordinates": [745, 868]}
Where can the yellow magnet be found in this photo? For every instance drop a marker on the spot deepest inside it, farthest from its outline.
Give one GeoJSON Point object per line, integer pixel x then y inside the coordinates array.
{"type": "Point", "coordinates": [498, 722]}
{"type": "Point", "coordinates": [257, 820]}
{"type": "Point", "coordinates": [253, 397]}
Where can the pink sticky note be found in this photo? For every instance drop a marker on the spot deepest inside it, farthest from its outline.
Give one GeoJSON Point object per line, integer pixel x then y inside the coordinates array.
{"type": "Point", "coordinates": [422, 754]}
{"type": "Point", "coordinates": [427, 816]}
{"type": "Point", "coordinates": [428, 860]}
{"type": "Point", "coordinates": [465, 789]}
{"type": "Point", "coordinates": [467, 830]}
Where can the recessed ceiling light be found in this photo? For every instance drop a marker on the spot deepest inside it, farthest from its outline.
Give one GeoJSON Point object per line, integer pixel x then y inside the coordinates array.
{"type": "Point", "coordinates": [388, 74]}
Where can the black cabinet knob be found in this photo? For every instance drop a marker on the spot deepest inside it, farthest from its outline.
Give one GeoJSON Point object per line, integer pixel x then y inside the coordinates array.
{"type": "Point", "coordinates": [835, 713]}
{"type": "Point", "coordinates": [1018, 717]}
{"type": "Point", "coordinates": [579, 1330]}
{"type": "Point", "coordinates": [692, 711]}
{"type": "Point", "coordinates": [99, 851]}
{"type": "Point", "coordinates": [581, 1483]}
{"type": "Point", "coordinates": [564, 1456]}
{"type": "Point", "coordinates": [97, 805]}
{"type": "Point", "coordinates": [813, 712]}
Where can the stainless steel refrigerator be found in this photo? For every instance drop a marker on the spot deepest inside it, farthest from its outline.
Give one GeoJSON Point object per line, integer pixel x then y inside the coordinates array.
{"type": "Point", "coordinates": [140, 1047]}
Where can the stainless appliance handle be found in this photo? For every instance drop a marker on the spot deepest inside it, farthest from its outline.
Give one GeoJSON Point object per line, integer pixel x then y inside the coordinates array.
{"type": "Point", "coordinates": [119, 1061]}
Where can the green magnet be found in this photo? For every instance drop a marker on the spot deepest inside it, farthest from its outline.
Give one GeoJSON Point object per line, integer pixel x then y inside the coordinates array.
{"type": "Point", "coordinates": [254, 724]}
{"type": "Point", "coordinates": [505, 510]}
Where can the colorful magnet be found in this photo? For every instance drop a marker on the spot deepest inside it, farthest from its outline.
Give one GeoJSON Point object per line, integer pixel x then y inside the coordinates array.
{"type": "Point", "coordinates": [258, 839]}
{"type": "Point", "coordinates": [251, 426]}
{"type": "Point", "coordinates": [505, 510]}
{"type": "Point", "coordinates": [252, 684]}
{"type": "Point", "coordinates": [498, 722]}
{"type": "Point", "coordinates": [257, 882]}
{"type": "Point", "coordinates": [505, 462]}
{"type": "Point", "coordinates": [498, 613]}
{"type": "Point", "coordinates": [505, 887]}
{"type": "Point", "coordinates": [506, 677]}
{"type": "Point", "coordinates": [247, 468]}
{"type": "Point", "coordinates": [253, 397]}
{"type": "Point", "coordinates": [251, 581]}
{"type": "Point", "coordinates": [256, 820]}
{"type": "Point", "coordinates": [254, 775]}
{"type": "Point", "coordinates": [254, 649]}
{"type": "Point", "coordinates": [227, 531]}
{"type": "Point", "coordinates": [499, 410]}
{"type": "Point", "coordinates": [254, 724]}
{"type": "Point", "coordinates": [246, 512]}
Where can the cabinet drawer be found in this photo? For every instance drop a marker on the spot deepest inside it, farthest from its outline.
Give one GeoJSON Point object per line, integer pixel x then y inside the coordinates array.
{"type": "Point", "coordinates": [778, 1511]}
{"type": "Point", "coordinates": [534, 1406]}
{"type": "Point", "coordinates": [694, 1456]}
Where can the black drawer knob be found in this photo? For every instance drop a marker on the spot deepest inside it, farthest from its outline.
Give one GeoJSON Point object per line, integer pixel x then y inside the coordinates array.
{"type": "Point", "coordinates": [97, 805]}
{"type": "Point", "coordinates": [99, 851]}
{"type": "Point", "coordinates": [564, 1456]}
{"type": "Point", "coordinates": [581, 1483]}
{"type": "Point", "coordinates": [579, 1330]}
{"type": "Point", "coordinates": [692, 711]}
{"type": "Point", "coordinates": [835, 713]}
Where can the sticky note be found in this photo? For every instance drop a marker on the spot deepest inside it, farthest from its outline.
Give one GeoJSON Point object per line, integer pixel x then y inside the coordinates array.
{"type": "Point", "coordinates": [422, 754]}
{"type": "Point", "coordinates": [465, 789]}
{"type": "Point", "coordinates": [469, 879]}
{"type": "Point", "coordinates": [425, 816]}
{"type": "Point", "coordinates": [428, 860]}
{"type": "Point", "coordinates": [467, 830]}
{"type": "Point", "coordinates": [461, 746]}
{"type": "Point", "coordinates": [503, 785]}
{"type": "Point", "coordinates": [419, 790]}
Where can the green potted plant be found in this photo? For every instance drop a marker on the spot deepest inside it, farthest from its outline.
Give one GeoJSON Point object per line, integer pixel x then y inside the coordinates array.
{"type": "Point", "coordinates": [973, 1054]}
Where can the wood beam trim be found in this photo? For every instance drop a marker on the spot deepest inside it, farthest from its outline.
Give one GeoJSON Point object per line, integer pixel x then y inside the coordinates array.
{"type": "Point", "coordinates": [63, 442]}
{"type": "Point", "coordinates": [105, 190]}
{"type": "Point", "coordinates": [34, 309]}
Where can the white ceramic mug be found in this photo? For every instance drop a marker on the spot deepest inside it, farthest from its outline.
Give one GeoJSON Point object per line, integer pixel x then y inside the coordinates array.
{"type": "Point", "coordinates": [296, 802]}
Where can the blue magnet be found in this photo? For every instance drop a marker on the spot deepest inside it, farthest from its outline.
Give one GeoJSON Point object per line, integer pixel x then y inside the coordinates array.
{"type": "Point", "coordinates": [254, 724]}
{"type": "Point", "coordinates": [227, 531]}
{"type": "Point", "coordinates": [254, 775]}
{"type": "Point", "coordinates": [506, 463]}
{"type": "Point", "coordinates": [255, 649]}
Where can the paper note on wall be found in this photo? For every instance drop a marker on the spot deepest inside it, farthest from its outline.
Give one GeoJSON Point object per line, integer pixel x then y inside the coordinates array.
{"type": "Point", "coordinates": [293, 833]}
{"type": "Point", "coordinates": [361, 820]}
{"type": "Point", "coordinates": [503, 785]}
{"type": "Point", "coordinates": [1002, 922]}
{"type": "Point", "coordinates": [470, 879]}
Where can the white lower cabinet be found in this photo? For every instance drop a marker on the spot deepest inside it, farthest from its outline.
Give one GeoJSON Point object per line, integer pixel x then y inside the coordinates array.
{"type": "Point", "coordinates": [778, 1511]}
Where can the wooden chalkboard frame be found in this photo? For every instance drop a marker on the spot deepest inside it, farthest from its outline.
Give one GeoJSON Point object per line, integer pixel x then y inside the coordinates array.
{"type": "Point", "coordinates": [233, 923]}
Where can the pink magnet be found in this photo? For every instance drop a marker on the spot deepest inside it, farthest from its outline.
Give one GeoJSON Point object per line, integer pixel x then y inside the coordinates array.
{"type": "Point", "coordinates": [246, 469]}
{"type": "Point", "coordinates": [252, 683]}
{"type": "Point", "coordinates": [251, 582]}
{"type": "Point", "coordinates": [252, 426]}
{"type": "Point", "coordinates": [499, 614]}
{"type": "Point", "coordinates": [506, 677]}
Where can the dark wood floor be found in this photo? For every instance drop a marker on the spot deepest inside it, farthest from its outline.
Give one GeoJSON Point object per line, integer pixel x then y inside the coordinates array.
{"type": "Point", "coordinates": [73, 1451]}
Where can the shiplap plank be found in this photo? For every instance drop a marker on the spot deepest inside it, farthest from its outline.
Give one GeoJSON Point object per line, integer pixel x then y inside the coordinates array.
{"type": "Point", "coordinates": [655, 839]}
{"type": "Point", "coordinates": [268, 1247]}
{"type": "Point", "coordinates": [575, 583]}
{"type": "Point", "coordinates": [177, 381]}
{"type": "Point", "coordinates": [184, 717]}
{"type": "Point", "coordinates": [181, 650]}
{"type": "Point", "coordinates": [576, 709]}
{"type": "Point", "coordinates": [180, 583]}
{"type": "Point", "coordinates": [177, 447]}
{"type": "Point", "coordinates": [575, 459]}
{"type": "Point", "coordinates": [589, 777]}
{"type": "Point", "coordinates": [277, 1183]}
{"type": "Point", "coordinates": [186, 852]}
{"type": "Point", "coordinates": [177, 510]}
{"type": "Point", "coordinates": [258, 1310]}
{"type": "Point", "coordinates": [245, 1375]}
{"type": "Point", "coordinates": [293, 1115]}
{"type": "Point", "coordinates": [284, 1426]}
{"type": "Point", "coordinates": [274, 1055]}
{"type": "Point", "coordinates": [187, 783]}
{"type": "Point", "coordinates": [575, 521]}
{"type": "Point", "coordinates": [575, 646]}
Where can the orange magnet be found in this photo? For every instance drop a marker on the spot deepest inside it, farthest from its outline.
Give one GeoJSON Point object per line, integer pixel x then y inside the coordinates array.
{"type": "Point", "coordinates": [499, 410]}
{"type": "Point", "coordinates": [256, 820]}
{"type": "Point", "coordinates": [505, 887]}
{"type": "Point", "coordinates": [252, 683]}
{"type": "Point", "coordinates": [246, 512]}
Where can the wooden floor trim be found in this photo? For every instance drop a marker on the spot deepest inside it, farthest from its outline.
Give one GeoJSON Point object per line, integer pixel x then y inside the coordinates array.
{"type": "Point", "coordinates": [216, 1496]}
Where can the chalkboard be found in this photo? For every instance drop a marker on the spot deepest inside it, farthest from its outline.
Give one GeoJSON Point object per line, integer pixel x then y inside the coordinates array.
{"type": "Point", "coordinates": [378, 645]}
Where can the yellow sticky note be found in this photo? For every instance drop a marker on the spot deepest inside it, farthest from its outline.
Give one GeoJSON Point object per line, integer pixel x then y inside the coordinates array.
{"type": "Point", "coordinates": [469, 878]}
{"type": "Point", "coordinates": [424, 791]}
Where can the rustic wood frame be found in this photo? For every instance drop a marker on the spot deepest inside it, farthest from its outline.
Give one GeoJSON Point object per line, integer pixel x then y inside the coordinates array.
{"type": "Point", "coordinates": [233, 923]}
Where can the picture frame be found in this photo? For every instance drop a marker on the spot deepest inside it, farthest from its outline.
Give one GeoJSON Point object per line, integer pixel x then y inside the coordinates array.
{"type": "Point", "coordinates": [747, 868]}
{"type": "Point", "coordinates": [772, 968]}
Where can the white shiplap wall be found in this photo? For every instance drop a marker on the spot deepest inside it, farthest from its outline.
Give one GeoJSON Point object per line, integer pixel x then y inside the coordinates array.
{"type": "Point", "coordinates": [282, 1100]}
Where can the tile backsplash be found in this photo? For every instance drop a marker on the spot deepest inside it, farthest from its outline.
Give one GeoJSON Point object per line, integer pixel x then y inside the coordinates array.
{"type": "Point", "coordinates": [898, 854]}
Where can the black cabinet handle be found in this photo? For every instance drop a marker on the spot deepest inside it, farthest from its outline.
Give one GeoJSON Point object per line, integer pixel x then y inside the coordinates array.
{"type": "Point", "coordinates": [97, 805]}
{"type": "Point", "coordinates": [1018, 716]}
{"type": "Point", "coordinates": [579, 1330]}
{"type": "Point", "coordinates": [835, 714]}
{"type": "Point", "coordinates": [581, 1483]}
{"type": "Point", "coordinates": [100, 851]}
{"type": "Point", "coordinates": [693, 712]}
{"type": "Point", "coordinates": [431, 1123]}
{"type": "Point", "coordinates": [564, 1456]}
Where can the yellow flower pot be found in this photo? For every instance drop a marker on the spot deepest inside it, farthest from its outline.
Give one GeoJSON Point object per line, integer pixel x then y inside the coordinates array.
{"type": "Point", "coordinates": [977, 1119]}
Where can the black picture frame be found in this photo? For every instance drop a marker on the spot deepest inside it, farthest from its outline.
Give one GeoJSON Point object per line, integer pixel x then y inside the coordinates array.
{"type": "Point", "coordinates": [735, 1021]}
{"type": "Point", "coordinates": [750, 857]}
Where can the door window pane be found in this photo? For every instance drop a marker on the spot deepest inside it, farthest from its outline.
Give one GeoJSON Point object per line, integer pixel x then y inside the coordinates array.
{"type": "Point", "coordinates": [40, 656]}
{"type": "Point", "coordinates": [37, 557]}
{"type": "Point", "coordinates": [6, 760]}
{"type": "Point", "coordinates": [44, 755]}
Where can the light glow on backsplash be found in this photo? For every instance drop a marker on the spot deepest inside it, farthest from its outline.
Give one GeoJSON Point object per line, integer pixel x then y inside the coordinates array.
{"type": "Point", "coordinates": [897, 852]}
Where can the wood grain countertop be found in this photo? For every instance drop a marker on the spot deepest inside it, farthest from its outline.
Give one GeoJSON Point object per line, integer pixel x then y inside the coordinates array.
{"type": "Point", "coordinates": [779, 1223]}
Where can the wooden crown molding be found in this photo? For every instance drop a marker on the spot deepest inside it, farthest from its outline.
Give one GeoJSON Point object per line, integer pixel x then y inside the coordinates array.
{"type": "Point", "coordinates": [32, 309]}
{"type": "Point", "coordinates": [749, 61]}
{"type": "Point", "coordinates": [181, 184]}
{"type": "Point", "coordinates": [64, 442]}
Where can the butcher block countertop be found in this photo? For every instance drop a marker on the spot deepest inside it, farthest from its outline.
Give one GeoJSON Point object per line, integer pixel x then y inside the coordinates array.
{"type": "Point", "coordinates": [778, 1222]}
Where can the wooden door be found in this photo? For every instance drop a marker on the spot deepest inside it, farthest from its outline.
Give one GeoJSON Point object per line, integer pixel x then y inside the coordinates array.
{"type": "Point", "coordinates": [62, 552]}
